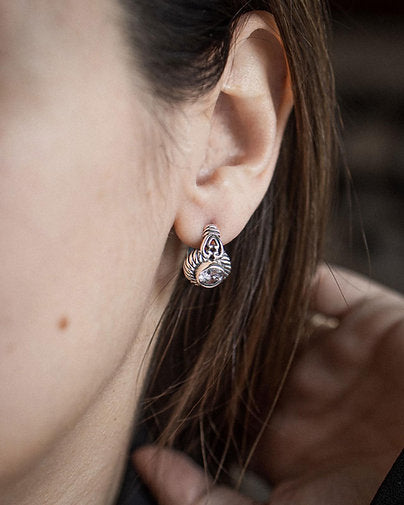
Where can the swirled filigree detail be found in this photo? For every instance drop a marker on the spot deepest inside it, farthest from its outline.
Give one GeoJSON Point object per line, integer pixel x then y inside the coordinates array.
{"type": "Point", "coordinates": [192, 261]}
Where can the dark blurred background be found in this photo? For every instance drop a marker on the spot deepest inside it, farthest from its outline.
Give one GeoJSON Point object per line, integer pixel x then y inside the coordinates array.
{"type": "Point", "coordinates": [367, 228]}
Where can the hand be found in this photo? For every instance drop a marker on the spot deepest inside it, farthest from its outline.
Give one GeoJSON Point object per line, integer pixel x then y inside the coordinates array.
{"type": "Point", "coordinates": [340, 423]}
{"type": "Point", "coordinates": [174, 479]}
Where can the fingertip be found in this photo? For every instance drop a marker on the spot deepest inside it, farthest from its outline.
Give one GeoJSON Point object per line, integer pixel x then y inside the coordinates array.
{"type": "Point", "coordinates": [172, 477]}
{"type": "Point", "coordinates": [144, 455]}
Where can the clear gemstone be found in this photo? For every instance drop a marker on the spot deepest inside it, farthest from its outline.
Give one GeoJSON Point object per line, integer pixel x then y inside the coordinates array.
{"type": "Point", "coordinates": [211, 276]}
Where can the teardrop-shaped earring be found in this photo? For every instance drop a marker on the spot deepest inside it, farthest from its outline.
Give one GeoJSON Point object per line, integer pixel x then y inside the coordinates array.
{"type": "Point", "coordinates": [209, 265]}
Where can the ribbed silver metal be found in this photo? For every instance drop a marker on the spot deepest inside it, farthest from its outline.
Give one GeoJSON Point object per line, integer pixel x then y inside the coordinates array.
{"type": "Point", "coordinates": [209, 265]}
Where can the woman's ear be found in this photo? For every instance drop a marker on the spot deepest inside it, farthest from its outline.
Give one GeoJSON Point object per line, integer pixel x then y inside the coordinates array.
{"type": "Point", "coordinates": [246, 116]}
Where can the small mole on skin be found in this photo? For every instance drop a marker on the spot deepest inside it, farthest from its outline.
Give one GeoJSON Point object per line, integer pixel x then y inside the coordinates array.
{"type": "Point", "coordinates": [63, 323]}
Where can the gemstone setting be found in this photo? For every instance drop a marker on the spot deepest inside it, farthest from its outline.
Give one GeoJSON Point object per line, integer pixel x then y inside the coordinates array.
{"type": "Point", "coordinates": [210, 275]}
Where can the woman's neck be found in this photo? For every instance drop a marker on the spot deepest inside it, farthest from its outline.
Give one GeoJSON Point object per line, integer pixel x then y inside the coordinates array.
{"type": "Point", "coordinates": [85, 466]}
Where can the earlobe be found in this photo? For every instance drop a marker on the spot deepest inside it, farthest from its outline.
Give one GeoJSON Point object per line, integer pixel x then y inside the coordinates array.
{"type": "Point", "coordinates": [252, 104]}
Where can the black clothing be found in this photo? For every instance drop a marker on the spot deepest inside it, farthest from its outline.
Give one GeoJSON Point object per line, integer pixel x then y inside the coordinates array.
{"type": "Point", "coordinates": [391, 492]}
{"type": "Point", "coordinates": [133, 491]}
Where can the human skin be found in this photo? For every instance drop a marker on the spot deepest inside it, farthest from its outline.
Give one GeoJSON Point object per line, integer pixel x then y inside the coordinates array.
{"type": "Point", "coordinates": [339, 424]}
{"type": "Point", "coordinates": [76, 187]}
{"type": "Point", "coordinates": [97, 206]}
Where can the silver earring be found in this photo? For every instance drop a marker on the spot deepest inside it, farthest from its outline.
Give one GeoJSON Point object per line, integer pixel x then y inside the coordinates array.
{"type": "Point", "coordinates": [209, 265]}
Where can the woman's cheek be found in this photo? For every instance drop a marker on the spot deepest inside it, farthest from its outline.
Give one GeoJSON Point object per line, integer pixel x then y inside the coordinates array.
{"type": "Point", "coordinates": [80, 235]}
{"type": "Point", "coordinates": [75, 227]}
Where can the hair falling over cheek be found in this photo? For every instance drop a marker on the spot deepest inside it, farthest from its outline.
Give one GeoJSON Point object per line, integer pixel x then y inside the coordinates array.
{"type": "Point", "coordinates": [223, 354]}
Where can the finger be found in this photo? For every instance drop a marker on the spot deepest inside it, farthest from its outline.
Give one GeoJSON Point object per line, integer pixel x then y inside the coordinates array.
{"type": "Point", "coordinates": [174, 479]}
{"type": "Point", "coordinates": [336, 290]}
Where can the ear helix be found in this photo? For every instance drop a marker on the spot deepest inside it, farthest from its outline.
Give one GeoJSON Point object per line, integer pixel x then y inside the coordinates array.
{"type": "Point", "coordinates": [209, 265]}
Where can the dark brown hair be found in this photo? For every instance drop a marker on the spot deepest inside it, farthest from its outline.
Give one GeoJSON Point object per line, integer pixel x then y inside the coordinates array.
{"type": "Point", "coordinates": [222, 355]}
